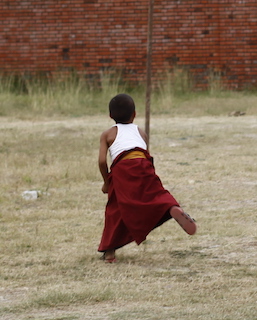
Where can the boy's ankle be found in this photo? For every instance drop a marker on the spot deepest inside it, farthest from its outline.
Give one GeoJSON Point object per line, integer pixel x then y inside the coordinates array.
{"type": "Point", "coordinates": [110, 254]}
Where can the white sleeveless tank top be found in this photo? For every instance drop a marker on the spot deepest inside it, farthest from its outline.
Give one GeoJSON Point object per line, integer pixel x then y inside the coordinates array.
{"type": "Point", "coordinates": [128, 137]}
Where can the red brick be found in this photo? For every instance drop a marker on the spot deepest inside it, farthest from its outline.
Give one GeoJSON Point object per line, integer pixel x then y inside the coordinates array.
{"type": "Point", "coordinates": [201, 32]}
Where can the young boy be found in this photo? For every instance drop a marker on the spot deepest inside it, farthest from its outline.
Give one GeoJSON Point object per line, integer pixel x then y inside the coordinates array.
{"type": "Point", "coordinates": [137, 202]}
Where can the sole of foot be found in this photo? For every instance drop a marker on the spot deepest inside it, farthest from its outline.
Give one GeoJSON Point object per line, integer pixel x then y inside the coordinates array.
{"type": "Point", "coordinates": [111, 260]}
{"type": "Point", "coordinates": [184, 220]}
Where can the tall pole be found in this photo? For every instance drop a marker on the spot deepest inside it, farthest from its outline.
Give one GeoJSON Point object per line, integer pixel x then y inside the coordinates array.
{"type": "Point", "coordinates": [149, 69]}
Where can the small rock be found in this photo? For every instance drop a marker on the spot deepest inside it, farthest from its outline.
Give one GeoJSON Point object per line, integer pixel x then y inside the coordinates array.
{"type": "Point", "coordinates": [236, 113]}
{"type": "Point", "coordinates": [30, 195]}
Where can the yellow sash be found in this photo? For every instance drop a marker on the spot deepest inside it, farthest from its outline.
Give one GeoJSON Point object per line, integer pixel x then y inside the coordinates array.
{"type": "Point", "coordinates": [134, 155]}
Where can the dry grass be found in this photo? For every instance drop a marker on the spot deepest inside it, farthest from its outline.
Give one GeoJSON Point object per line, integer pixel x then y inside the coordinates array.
{"type": "Point", "coordinates": [72, 96]}
{"type": "Point", "coordinates": [49, 265]}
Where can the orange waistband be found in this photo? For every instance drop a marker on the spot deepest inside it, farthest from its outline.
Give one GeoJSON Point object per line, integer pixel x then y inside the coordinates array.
{"type": "Point", "coordinates": [134, 155]}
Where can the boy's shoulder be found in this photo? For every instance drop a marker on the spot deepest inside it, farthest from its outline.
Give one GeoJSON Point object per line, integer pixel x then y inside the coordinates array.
{"type": "Point", "coordinates": [109, 135]}
{"type": "Point", "coordinates": [108, 131]}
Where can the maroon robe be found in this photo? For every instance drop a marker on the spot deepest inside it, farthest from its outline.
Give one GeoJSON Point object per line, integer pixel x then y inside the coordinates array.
{"type": "Point", "coordinates": [137, 202]}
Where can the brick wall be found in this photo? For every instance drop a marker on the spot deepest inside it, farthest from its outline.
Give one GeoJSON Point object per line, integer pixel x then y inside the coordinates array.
{"type": "Point", "coordinates": [92, 35]}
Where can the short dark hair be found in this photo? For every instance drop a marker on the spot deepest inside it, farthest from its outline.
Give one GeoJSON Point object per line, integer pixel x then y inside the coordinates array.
{"type": "Point", "coordinates": [121, 108]}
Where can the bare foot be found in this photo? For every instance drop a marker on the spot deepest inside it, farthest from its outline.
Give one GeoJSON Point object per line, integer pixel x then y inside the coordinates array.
{"type": "Point", "coordinates": [109, 256]}
{"type": "Point", "coordinates": [184, 220]}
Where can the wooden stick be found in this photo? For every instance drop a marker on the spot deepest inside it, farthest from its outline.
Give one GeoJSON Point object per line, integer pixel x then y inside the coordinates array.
{"type": "Point", "coordinates": [149, 70]}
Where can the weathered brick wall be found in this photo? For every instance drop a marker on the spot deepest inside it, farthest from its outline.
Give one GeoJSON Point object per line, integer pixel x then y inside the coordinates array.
{"type": "Point", "coordinates": [91, 35]}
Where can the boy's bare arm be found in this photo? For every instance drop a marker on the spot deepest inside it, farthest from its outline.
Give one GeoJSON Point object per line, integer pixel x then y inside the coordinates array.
{"type": "Point", "coordinates": [144, 136]}
{"type": "Point", "coordinates": [102, 161]}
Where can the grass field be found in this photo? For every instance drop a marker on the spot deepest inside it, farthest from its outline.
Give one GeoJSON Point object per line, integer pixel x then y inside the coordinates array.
{"type": "Point", "coordinates": [50, 268]}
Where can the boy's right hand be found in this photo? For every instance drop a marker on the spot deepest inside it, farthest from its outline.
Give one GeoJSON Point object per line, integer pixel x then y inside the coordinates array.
{"type": "Point", "coordinates": [105, 188]}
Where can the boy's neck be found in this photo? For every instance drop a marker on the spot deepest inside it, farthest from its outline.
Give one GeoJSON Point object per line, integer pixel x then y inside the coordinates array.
{"type": "Point", "coordinates": [129, 122]}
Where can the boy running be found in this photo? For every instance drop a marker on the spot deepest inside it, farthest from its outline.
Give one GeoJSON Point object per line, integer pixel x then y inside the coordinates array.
{"type": "Point", "coordinates": [137, 202]}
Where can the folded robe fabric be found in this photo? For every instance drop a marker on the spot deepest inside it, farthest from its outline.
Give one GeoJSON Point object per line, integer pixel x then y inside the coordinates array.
{"type": "Point", "coordinates": [137, 202]}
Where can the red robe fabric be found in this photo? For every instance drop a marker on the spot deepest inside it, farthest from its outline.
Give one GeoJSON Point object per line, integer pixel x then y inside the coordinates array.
{"type": "Point", "coordinates": [137, 202]}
